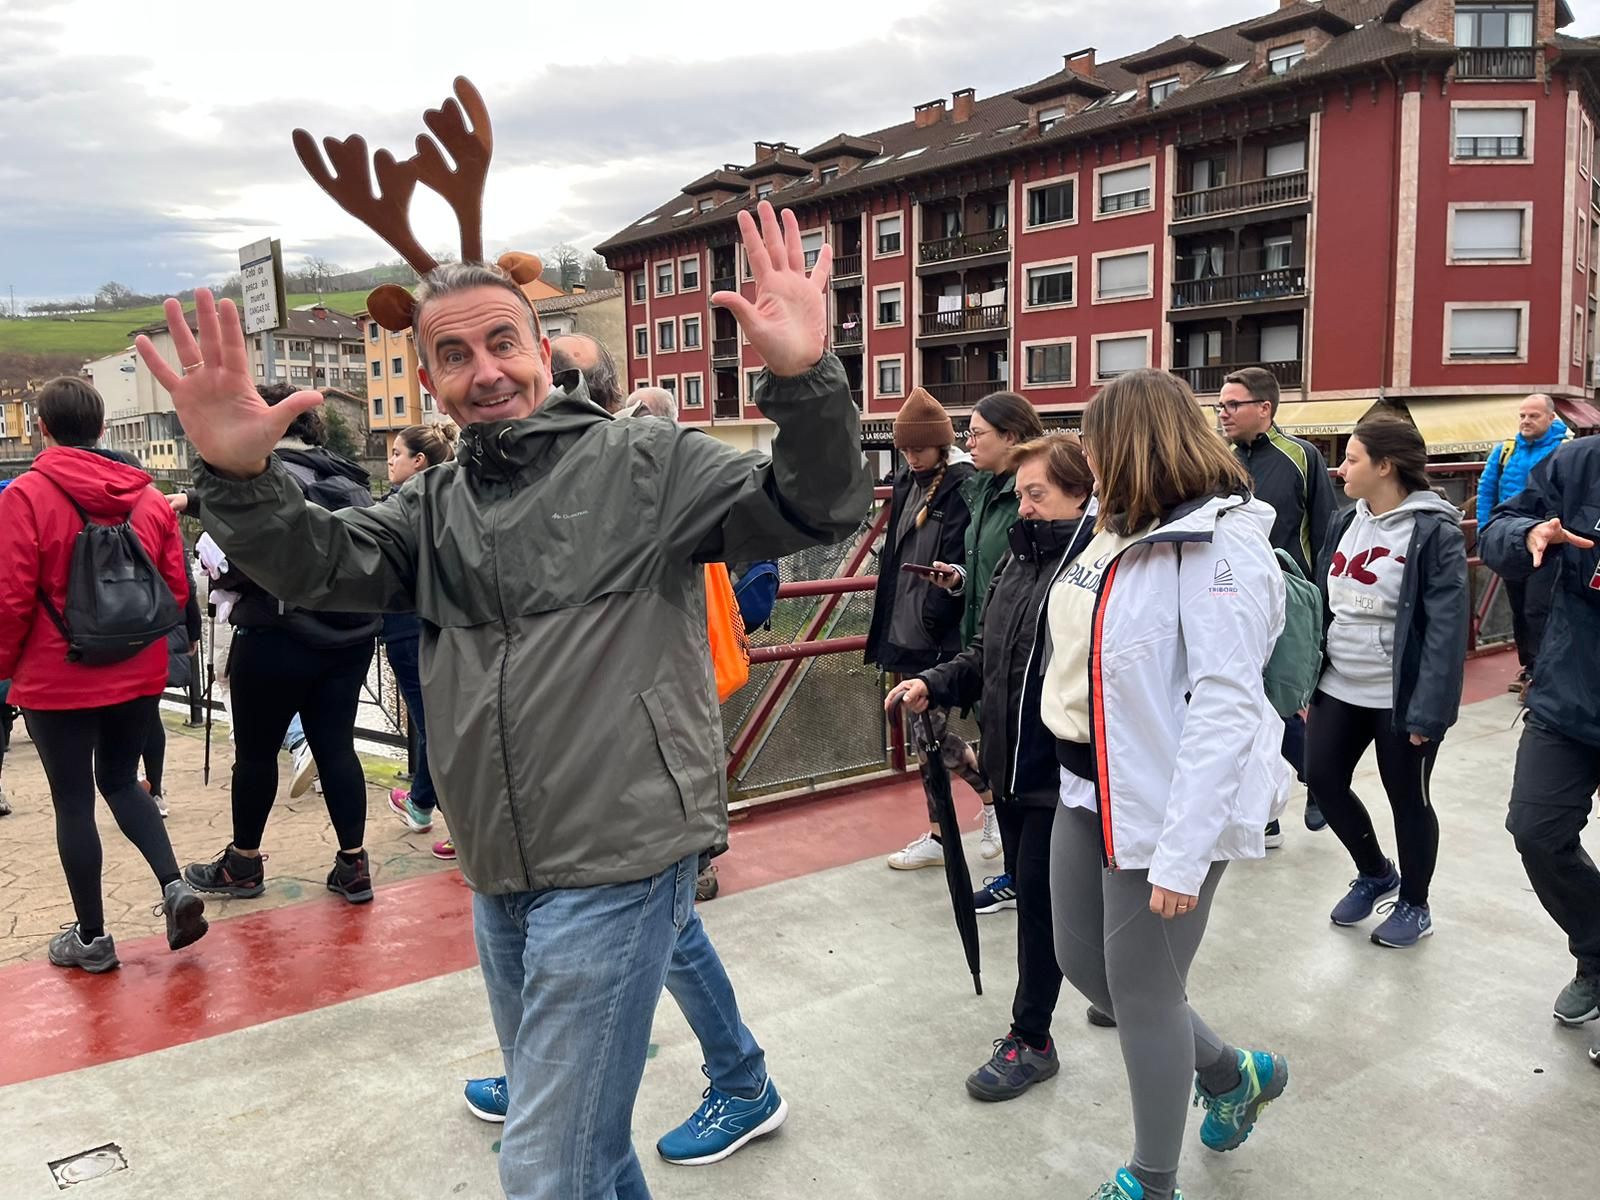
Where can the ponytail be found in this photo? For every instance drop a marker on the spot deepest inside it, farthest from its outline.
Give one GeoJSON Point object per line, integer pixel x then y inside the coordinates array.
{"type": "Point", "coordinates": [436, 443]}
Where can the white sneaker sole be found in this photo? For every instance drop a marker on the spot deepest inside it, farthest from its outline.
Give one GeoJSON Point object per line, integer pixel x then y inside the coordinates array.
{"type": "Point", "coordinates": [998, 906]}
{"type": "Point", "coordinates": [303, 778]}
{"type": "Point", "coordinates": [405, 819]}
{"type": "Point", "coordinates": [1574, 1022]}
{"type": "Point", "coordinates": [991, 849]}
{"type": "Point", "coordinates": [902, 864]}
{"type": "Point", "coordinates": [484, 1115]}
{"type": "Point", "coordinates": [1378, 941]}
{"type": "Point", "coordinates": [779, 1115]}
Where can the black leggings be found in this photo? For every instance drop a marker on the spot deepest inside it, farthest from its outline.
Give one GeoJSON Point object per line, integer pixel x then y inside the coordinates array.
{"type": "Point", "coordinates": [1337, 735]}
{"type": "Point", "coordinates": [155, 752]}
{"type": "Point", "coordinates": [82, 747]}
{"type": "Point", "coordinates": [272, 676]}
{"type": "Point", "coordinates": [1025, 834]}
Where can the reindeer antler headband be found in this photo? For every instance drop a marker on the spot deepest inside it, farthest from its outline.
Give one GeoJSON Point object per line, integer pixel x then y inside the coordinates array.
{"type": "Point", "coordinates": [387, 213]}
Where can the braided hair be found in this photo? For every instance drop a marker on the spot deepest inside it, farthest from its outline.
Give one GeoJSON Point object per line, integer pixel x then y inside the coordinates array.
{"type": "Point", "coordinates": [933, 487]}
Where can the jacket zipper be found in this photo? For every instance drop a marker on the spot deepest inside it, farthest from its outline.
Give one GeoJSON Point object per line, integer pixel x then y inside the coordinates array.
{"type": "Point", "coordinates": [1097, 714]}
{"type": "Point", "coordinates": [1027, 673]}
{"type": "Point", "coordinates": [505, 661]}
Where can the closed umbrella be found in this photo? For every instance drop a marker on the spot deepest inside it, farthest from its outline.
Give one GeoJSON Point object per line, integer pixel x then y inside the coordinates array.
{"type": "Point", "coordinates": [936, 783]}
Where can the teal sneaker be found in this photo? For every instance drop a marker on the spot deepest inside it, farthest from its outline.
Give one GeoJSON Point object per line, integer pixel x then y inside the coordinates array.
{"type": "Point", "coordinates": [1124, 1186]}
{"type": "Point", "coordinates": [721, 1125]}
{"type": "Point", "coordinates": [1231, 1116]}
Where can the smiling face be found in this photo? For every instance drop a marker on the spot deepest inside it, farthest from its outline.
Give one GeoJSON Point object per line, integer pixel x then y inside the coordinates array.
{"type": "Point", "coordinates": [484, 362]}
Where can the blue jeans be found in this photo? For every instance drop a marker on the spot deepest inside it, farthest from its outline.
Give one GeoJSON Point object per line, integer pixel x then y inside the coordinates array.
{"type": "Point", "coordinates": [695, 977]}
{"type": "Point", "coordinates": [403, 658]}
{"type": "Point", "coordinates": [574, 976]}
{"type": "Point", "coordinates": [296, 736]}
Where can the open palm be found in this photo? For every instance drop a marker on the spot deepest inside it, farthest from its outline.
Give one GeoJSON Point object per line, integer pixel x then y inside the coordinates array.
{"type": "Point", "coordinates": [229, 423]}
{"type": "Point", "coordinates": [787, 321]}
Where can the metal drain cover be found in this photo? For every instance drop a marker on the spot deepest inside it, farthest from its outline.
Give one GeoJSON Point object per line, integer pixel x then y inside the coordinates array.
{"type": "Point", "coordinates": [91, 1164]}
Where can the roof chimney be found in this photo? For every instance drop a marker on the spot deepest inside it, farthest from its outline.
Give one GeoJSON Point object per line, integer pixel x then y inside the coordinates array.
{"type": "Point", "coordinates": [930, 113]}
{"type": "Point", "coordinates": [961, 106]}
{"type": "Point", "coordinates": [578, 289]}
{"type": "Point", "coordinates": [1082, 62]}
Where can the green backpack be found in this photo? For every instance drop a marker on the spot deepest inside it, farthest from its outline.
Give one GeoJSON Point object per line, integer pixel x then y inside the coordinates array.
{"type": "Point", "coordinates": [1292, 672]}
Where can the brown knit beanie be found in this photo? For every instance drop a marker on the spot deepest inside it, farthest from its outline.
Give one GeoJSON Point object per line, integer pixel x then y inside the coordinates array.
{"type": "Point", "coordinates": [922, 424]}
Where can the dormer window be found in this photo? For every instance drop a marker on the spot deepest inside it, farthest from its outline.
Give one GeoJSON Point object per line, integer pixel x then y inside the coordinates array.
{"type": "Point", "coordinates": [1160, 89]}
{"type": "Point", "coordinates": [1049, 117]}
{"type": "Point", "coordinates": [763, 190]}
{"type": "Point", "coordinates": [827, 173]}
{"type": "Point", "coordinates": [707, 204]}
{"type": "Point", "coordinates": [1494, 25]}
{"type": "Point", "coordinates": [1281, 58]}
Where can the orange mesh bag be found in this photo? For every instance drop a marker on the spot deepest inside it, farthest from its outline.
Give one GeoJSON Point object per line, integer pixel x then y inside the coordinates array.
{"type": "Point", "coordinates": [730, 647]}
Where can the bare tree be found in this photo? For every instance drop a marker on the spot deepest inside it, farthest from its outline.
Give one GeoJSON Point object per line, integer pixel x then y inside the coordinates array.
{"type": "Point", "coordinates": [563, 266]}
{"type": "Point", "coordinates": [318, 272]}
{"type": "Point", "coordinates": [596, 274]}
{"type": "Point", "coordinates": [113, 295]}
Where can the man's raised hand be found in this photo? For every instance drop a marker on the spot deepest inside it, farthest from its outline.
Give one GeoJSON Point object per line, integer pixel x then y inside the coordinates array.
{"type": "Point", "coordinates": [1550, 533]}
{"type": "Point", "coordinates": [787, 321]}
{"type": "Point", "coordinates": [229, 423]}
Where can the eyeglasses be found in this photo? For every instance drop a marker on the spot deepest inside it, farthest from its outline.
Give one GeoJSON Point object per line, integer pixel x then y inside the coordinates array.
{"type": "Point", "coordinates": [974, 434]}
{"type": "Point", "coordinates": [1232, 406]}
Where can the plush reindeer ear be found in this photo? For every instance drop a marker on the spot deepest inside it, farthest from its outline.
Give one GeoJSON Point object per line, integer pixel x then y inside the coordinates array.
{"type": "Point", "coordinates": [391, 306]}
{"type": "Point", "coordinates": [523, 268]}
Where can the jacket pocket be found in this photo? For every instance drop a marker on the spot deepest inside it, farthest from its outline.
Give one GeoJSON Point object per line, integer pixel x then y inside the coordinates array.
{"type": "Point", "coordinates": [667, 744]}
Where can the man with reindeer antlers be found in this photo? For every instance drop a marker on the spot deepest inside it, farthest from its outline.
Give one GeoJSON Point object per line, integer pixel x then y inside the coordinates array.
{"type": "Point", "coordinates": [556, 569]}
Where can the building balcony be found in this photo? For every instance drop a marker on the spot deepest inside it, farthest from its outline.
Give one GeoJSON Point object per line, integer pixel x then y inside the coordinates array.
{"type": "Point", "coordinates": [1275, 283]}
{"type": "Point", "coordinates": [989, 318]}
{"type": "Point", "coordinates": [846, 266]}
{"type": "Point", "coordinates": [966, 393]}
{"type": "Point", "coordinates": [1495, 62]}
{"type": "Point", "coordinates": [724, 283]}
{"type": "Point", "coordinates": [726, 408]}
{"type": "Point", "coordinates": [847, 337]}
{"type": "Point", "coordinates": [1204, 381]}
{"type": "Point", "coordinates": [1241, 197]}
{"type": "Point", "coordinates": [965, 245]}
{"type": "Point", "coordinates": [725, 348]}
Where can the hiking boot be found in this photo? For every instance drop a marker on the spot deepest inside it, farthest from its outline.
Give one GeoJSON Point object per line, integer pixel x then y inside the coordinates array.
{"type": "Point", "coordinates": [1406, 925]}
{"type": "Point", "coordinates": [352, 880]}
{"type": "Point", "coordinates": [417, 820]}
{"type": "Point", "coordinates": [924, 852]}
{"type": "Point", "coordinates": [1099, 1018]}
{"type": "Point", "coordinates": [989, 844]}
{"type": "Point", "coordinates": [1579, 1001]}
{"type": "Point", "coordinates": [67, 949]}
{"type": "Point", "coordinates": [1014, 1067]}
{"type": "Point", "coordinates": [1363, 896]}
{"type": "Point", "coordinates": [445, 850]}
{"type": "Point", "coordinates": [229, 874]}
{"type": "Point", "coordinates": [487, 1099]}
{"type": "Point", "coordinates": [721, 1125]}
{"type": "Point", "coordinates": [305, 770]}
{"type": "Point", "coordinates": [1123, 1186]}
{"type": "Point", "coordinates": [1315, 821]}
{"type": "Point", "coordinates": [997, 893]}
{"type": "Point", "coordinates": [183, 910]}
{"type": "Point", "coordinates": [706, 885]}
{"type": "Point", "coordinates": [1231, 1116]}
{"type": "Point", "coordinates": [1274, 836]}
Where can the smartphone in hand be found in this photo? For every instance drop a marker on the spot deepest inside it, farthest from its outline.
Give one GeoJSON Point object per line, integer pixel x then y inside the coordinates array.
{"type": "Point", "coordinates": [925, 572]}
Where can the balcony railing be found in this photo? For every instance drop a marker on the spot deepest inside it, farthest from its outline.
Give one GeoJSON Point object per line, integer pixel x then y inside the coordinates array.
{"type": "Point", "coordinates": [846, 266]}
{"type": "Point", "coordinates": [1273, 284]}
{"type": "Point", "coordinates": [966, 393]}
{"type": "Point", "coordinates": [1495, 62]}
{"type": "Point", "coordinates": [964, 320]}
{"type": "Point", "coordinates": [1489, 147]}
{"type": "Point", "coordinates": [1235, 197]}
{"type": "Point", "coordinates": [965, 245]}
{"type": "Point", "coordinates": [726, 408]}
{"type": "Point", "coordinates": [843, 336]}
{"type": "Point", "coordinates": [726, 347]}
{"type": "Point", "coordinates": [723, 283]}
{"type": "Point", "coordinates": [1205, 380]}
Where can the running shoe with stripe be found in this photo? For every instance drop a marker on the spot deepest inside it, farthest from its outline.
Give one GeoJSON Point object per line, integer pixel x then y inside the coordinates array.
{"type": "Point", "coordinates": [997, 893]}
{"type": "Point", "coordinates": [721, 1125]}
{"type": "Point", "coordinates": [1124, 1186]}
{"type": "Point", "coordinates": [488, 1099]}
{"type": "Point", "coordinates": [1231, 1116]}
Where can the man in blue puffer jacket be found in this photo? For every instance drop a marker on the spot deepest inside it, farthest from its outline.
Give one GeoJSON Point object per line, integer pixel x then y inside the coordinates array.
{"type": "Point", "coordinates": [1539, 432]}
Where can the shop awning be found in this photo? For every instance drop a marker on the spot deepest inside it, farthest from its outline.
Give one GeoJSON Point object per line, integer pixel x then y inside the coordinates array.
{"type": "Point", "coordinates": [1578, 414]}
{"type": "Point", "coordinates": [1464, 426]}
{"type": "Point", "coordinates": [1312, 418]}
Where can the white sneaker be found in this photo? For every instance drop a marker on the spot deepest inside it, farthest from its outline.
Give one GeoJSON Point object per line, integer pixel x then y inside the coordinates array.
{"type": "Point", "coordinates": [305, 770]}
{"type": "Point", "coordinates": [161, 802]}
{"type": "Point", "coordinates": [924, 852]}
{"type": "Point", "coordinates": [990, 846]}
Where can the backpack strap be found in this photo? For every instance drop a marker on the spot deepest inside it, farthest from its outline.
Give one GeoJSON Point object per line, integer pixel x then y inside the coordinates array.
{"type": "Point", "coordinates": [1507, 449]}
{"type": "Point", "coordinates": [50, 609]}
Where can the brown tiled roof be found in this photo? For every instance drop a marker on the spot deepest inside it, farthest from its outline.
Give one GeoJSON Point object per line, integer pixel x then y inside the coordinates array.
{"type": "Point", "coordinates": [1060, 84]}
{"type": "Point", "coordinates": [782, 163]}
{"type": "Point", "coordinates": [715, 181]}
{"type": "Point", "coordinates": [844, 145]}
{"type": "Point", "coordinates": [575, 300]}
{"type": "Point", "coordinates": [1302, 14]}
{"type": "Point", "coordinates": [998, 128]}
{"type": "Point", "coordinates": [1170, 53]}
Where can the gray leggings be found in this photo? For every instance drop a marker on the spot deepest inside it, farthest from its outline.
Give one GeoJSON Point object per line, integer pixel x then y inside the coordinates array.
{"type": "Point", "coordinates": [1134, 965]}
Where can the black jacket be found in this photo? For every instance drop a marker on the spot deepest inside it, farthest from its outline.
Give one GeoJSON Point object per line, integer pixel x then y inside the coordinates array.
{"type": "Point", "coordinates": [1289, 473]}
{"type": "Point", "coordinates": [1565, 694]}
{"type": "Point", "coordinates": [1004, 664]}
{"type": "Point", "coordinates": [941, 612]}
{"type": "Point", "coordinates": [1430, 635]}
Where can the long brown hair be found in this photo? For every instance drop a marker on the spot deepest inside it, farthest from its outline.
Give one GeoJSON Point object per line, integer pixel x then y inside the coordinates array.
{"type": "Point", "coordinates": [1395, 440]}
{"type": "Point", "coordinates": [1153, 450]}
{"type": "Point", "coordinates": [1010, 413]}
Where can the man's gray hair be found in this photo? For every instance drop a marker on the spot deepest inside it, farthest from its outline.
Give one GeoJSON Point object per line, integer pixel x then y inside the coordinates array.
{"type": "Point", "coordinates": [601, 378]}
{"type": "Point", "coordinates": [449, 278]}
{"type": "Point", "coordinates": [1549, 400]}
{"type": "Point", "coordinates": [654, 401]}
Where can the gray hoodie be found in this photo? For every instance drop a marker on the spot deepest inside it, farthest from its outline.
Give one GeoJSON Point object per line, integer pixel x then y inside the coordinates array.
{"type": "Point", "coordinates": [1364, 597]}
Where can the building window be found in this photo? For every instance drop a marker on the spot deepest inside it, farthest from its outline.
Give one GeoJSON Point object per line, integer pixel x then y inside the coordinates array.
{"type": "Point", "coordinates": [1050, 285]}
{"type": "Point", "coordinates": [890, 380]}
{"type": "Point", "coordinates": [1114, 355]}
{"type": "Point", "coordinates": [666, 336]}
{"type": "Point", "coordinates": [827, 173]}
{"type": "Point", "coordinates": [890, 307]}
{"type": "Point", "coordinates": [1481, 333]}
{"type": "Point", "coordinates": [372, 333]}
{"type": "Point", "coordinates": [1577, 336]}
{"type": "Point", "coordinates": [668, 383]}
{"type": "Point", "coordinates": [1122, 276]}
{"type": "Point", "coordinates": [1160, 89]}
{"type": "Point", "coordinates": [707, 204]}
{"type": "Point", "coordinates": [1125, 189]}
{"type": "Point", "coordinates": [1491, 132]}
{"type": "Point", "coordinates": [1281, 58]}
{"type": "Point", "coordinates": [751, 378]}
{"type": "Point", "coordinates": [811, 244]}
{"type": "Point", "coordinates": [693, 392]}
{"type": "Point", "coordinates": [638, 287]}
{"type": "Point", "coordinates": [1286, 158]}
{"type": "Point", "coordinates": [641, 341]}
{"type": "Point", "coordinates": [377, 369]}
{"type": "Point", "coordinates": [399, 406]}
{"type": "Point", "coordinates": [689, 274]}
{"type": "Point", "coordinates": [1276, 251]}
{"type": "Point", "coordinates": [1053, 204]}
{"type": "Point", "coordinates": [1049, 364]}
{"type": "Point", "coordinates": [664, 279]}
{"type": "Point", "coordinates": [1280, 343]}
{"type": "Point", "coordinates": [1486, 234]}
{"type": "Point", "coordinates": [427, 402]}
{"type": "Point", "coordinates": [763, 190]}
{"type": "Point", "coordinates": [1494, 25]}
{"type": "Point", "coordinates": [1050, 117]}
{"type": "Point", "coordinates": [691, 333]}
{"type": "Point", "coordinates": [377, 406]}
{"type": "Point", "coordinates": [887, 234]}
{"type": "Point", "coordinates": [398, 366]}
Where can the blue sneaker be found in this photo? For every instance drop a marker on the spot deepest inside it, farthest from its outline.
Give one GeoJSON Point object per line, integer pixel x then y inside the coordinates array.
{"type": "Point", "coordinates": [1124, 1186]}
{"type": "Point", "coordinates": [1231, 1116]}
{"type": "Point", "coordinates": [1363, 896]}
{"type": "Point", "coordinates": [488, 1099]}
{"type": "Point", "coordinates": [1014, 1067]}
{"type": "Point", "coordinates": [1407, 925]}
{"type": "Point", "coordinates": [721, 1125]}
{"type": "Point", "coordinates": [996, 893]}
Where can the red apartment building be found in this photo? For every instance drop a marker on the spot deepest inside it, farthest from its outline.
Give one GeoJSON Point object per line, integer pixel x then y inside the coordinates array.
{"type": "Point", "coordinates": [1377, 199]}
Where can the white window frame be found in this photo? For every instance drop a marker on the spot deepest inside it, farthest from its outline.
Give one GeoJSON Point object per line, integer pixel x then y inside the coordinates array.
{"type": "Point", "coordinates": [1051, 116]}
{"type": "Point", "coordinates": [693, 259]}
{"type": "Point", "coordinates": [639, 282]}
{"type": "Point", "coordinates": [1277, 239]}
{"type": "Point", "coordinates": [1096, 339]}
{"type": "Point", "coordinates": [1275, 55]}
{"type": "Point", "coordinates": [1585, 145]}
{"type": "Point", "coordinates": [1305, 158]}
{"type": "Point", "coordinates": [699, 332]}
{"type": "Point", "coordinates": [1525, 207]}
{"type": "Point", "coordinates": [640, 383]}
{"type": "Point", "coordinates": [879, 220]}
{"type": "Point", "coordinates": [1529, 109]}
{"type": "Point", "coordinates": [670, 323]}
{"type": "Point", "coordinates": [668, 383]}
{"type": "Point", "coordinates": [1583, 238]}
{"type": "Point", "coordinates": [819, 233]}
{"type": "Point", "coordinates": [1149, 252]}
{"type": "Point", "coordinates": [1027, 285]}
{"type": "Point", "coordinates": [637, 330]}
{"type": "Point", "coordinates": [683, 399]}
{"type": "Point", "coordinates": [1521, 356]}
{"type": "Point", "coordinates": [763, 190]}
{"type": "Point", "coordinates": [671, 279]}
{"type": "Point", "coordinates": [879, 290]}
{"type": "Point", "coordinates": [751, 374]}
{"type": "Point", "coordinates": [1577, 335]}
{"type": "Point", "coordinates": [1072, 363]}
{"type": "Point", "coordinates": [1039, 184]}
{"type": "Point", "coordinates": [1097, 215]}
{"type": "Point", "coordinates": [900, 361]}
{"type": "Point", "coordinates": [705, 205]}
{"type": "Point", "coordinates": [1169, 87]}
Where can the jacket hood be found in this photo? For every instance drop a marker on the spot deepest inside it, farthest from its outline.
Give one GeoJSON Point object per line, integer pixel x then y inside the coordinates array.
{"type": "Point", "coordinates": [1556, 433]}
{"type": "Point", "coordinates": [1413, 506]}
{"type": "Point", "coordinates": [958, 455]}
{"type": "Point", "coordinates": [324, 462]}
{"type": "Point", "coordinates": [1041, 540]}
{"type": "Point", "coordinates": [501, 448]}
{"type": "Point", "coordinates": [1198, 518]}
{"type": "Point", "coordinates": [103, 486]}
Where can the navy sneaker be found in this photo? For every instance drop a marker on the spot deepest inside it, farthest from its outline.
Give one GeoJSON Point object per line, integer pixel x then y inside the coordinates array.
{"type": "Point", "coordinates": [488, 1099]}
{"type": "Point", "coordinates": [1014, 1067]}
{"type": "Point", "coordinates": [1363, 896]}
{"type": "Point", "coordinates": [1314, 818]}
{"type": "Point", "coordinates": [996, 893]}
{"type": "Point", "coordinates": [1406, 925]}
{"type": "Point", "coordinates": [721, 1125]}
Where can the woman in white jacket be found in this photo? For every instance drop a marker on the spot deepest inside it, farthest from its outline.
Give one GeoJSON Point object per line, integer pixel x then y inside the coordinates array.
{"type": "Point", "coordinates": [1169, 749]}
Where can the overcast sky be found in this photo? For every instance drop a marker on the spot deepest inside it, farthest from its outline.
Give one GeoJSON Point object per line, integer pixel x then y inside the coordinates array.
{"type": "Point", "coordinates": [146, 142]}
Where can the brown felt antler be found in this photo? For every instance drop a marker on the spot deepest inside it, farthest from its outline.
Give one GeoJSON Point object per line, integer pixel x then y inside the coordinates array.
{"type": "Point", "coordinates": [471, 149]}
{"type": "Point", "coordinates": [387, 214]}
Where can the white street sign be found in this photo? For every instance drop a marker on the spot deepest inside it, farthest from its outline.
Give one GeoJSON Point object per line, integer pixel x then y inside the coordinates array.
{"type": "Point", "coordinates": [261, 268]}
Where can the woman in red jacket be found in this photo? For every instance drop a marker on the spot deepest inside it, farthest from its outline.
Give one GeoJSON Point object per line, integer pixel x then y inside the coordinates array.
{"type": "Point", "coordinates": [88, 723]}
